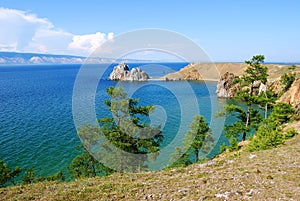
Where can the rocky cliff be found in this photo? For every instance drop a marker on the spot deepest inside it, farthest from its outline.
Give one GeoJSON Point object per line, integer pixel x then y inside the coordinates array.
{"type": "Point", "coordinates": [292, 96]}
{"type": "Point", "coordinates": [226, 87]}
{"type": "Point", "coordinates": [122, 72]}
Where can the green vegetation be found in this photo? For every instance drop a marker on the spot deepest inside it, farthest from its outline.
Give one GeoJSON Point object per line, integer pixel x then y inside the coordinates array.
{"type": "Point", "coordinates": [287, 80]}
{"type": "Point", "coordinates": [254, 73]}
{"type": "Point", "coordinates": [259, 175]}
{"type": "Point", "coordinates": [199, 138]}
{"type": "Point", "coordinates": [196, 142]}
{"type": "Point", "coordinates": [270, 133]}
{"type": "Point", "coordinates": [85, 166]}
{"type": "Point", "coordinates": [292, 67]}
{"type": "Point", "coordinates": [239, 127]}
{"type": "Point", "coordinates": [30, 177]}
{"type": "Point", "coordinates": [127, 130]}
{"type": "Point", "coordinates": [7, 175]}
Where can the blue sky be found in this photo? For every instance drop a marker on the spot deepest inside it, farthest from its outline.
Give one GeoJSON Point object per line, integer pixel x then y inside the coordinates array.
{"type": "Point", "coordinates": [227, 30]}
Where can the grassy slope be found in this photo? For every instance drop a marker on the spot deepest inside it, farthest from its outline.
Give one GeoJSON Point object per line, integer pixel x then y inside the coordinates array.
{"type": "Point", "coordinates": [263, 175]}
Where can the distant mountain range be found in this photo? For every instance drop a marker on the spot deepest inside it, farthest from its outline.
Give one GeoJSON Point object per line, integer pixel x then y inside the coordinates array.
{"type": "Point", "coordinates": [33, 58]}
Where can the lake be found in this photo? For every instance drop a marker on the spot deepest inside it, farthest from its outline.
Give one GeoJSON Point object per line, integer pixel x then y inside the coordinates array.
{"type": "Point", "coordinates": [36, 117]}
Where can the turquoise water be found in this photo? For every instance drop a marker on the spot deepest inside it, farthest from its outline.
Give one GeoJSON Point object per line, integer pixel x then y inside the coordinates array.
{"type": "Point", "coordinates": [36, 122]}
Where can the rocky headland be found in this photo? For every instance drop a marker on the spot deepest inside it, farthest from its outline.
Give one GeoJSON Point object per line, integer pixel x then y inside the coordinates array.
{"type": "Point", "coordinates": [121, 72]}
{"type": "Point", "coordinates": [227, 88]}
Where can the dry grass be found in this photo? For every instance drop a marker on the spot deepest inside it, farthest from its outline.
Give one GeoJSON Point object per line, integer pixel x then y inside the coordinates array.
{"type": "Point", "coordinates": [213, 71]}
{"type": "Point", "coordinates": [263, 175]}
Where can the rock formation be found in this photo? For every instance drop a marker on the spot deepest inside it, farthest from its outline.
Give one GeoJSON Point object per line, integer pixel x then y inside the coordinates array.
{"type": "Point", "coordinates": [226, 87]}
{"type": "Point", "coordinates": [122, 72]}
{"type": "Point", "coordinates": [292, 96]}
{"type": "Point", "coordinates": [276, 86]}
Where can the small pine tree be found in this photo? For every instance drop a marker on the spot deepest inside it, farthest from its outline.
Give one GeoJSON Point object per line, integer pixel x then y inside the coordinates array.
{"type": "Point", "coordinates": [270, 134]}
{"type": "Point", "coordinates": [199, 137]}
{"type": "Point", "coordinates": [85, 166]}
{"type": "Point", "coordinates": [179, 159]}
{"type": "Point", "coordinates": [197, 140]}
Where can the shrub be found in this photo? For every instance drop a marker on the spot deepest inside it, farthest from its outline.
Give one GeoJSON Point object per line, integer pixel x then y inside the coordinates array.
{"type": "Point", "coordinates": [288, 79]}
{"type": "Point", "coordinates": [291, 132]}
{"type": "Point", "coordinates": [223, 148]}
{"type": "Point", "coordinates": [233, 144]}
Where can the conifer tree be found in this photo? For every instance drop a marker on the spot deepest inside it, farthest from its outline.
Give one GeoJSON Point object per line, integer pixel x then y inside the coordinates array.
{"type": "Point", "coordinates": [255, 72]}
{"type": "Point", "coordinates": [126, 130]}
{"type": "Point", "coordinates": [199, 137]}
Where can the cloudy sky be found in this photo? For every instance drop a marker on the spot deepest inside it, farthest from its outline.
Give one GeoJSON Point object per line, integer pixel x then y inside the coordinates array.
{"type": "Point", "coordinates": [227, 30]}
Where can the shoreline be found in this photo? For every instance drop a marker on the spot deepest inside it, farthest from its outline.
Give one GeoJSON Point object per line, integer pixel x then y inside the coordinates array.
{"type": "Point", "coordinates": [175, 80]}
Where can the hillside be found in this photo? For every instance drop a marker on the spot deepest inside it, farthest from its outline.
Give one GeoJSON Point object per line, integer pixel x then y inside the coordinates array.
{"type": "Point", "coordinates": [16, 58]}
{"type": "Point", "coordinates": [213, 71]}
{"type": "Point", "coordinates": [263, 175]}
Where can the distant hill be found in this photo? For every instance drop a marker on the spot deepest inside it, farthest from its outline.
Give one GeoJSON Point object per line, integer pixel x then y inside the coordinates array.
{"type": "Point", "coordinates": [8, 58]}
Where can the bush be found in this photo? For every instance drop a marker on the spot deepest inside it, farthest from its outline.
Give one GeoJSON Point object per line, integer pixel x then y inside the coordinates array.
{"type": "Point", "coordinates": [266, 137]}
{"type": "Point", "coordinates": [288, 79]}
{"type": "Point", "coordinates": [6, 174]}
{"type": "Point", "coordinates": [270, 133]}
{"type": "Point", "coordinates": [223, 148]}
{"type": "Point", "coordinates": [291, 132]}
{"type": "Point", "coordinates": [233, 144]}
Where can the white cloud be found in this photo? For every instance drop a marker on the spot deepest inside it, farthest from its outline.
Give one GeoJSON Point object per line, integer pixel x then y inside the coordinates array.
{"type": "Point", "coordinates": [89, 42]}
{"type": "Point", "coordinates": [25, 32]}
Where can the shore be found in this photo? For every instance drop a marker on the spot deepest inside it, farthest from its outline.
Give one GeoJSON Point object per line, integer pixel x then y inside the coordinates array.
{"type": "Point", "coordinates": [163, 79]}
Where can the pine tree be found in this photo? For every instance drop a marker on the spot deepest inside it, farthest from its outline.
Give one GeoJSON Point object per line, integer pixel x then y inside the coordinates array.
{"type": "Point", "coordinates": [126, 134]}
{"type": "Point", "coordinates": [84, 166]}
{"type": "Point", "coordinates": [255, 72]}
{"type": "Point", "coordinates": [238, 128]}
{"type": "Point", "coordinates": [198, 140]}
{"type": "Point", "coordinates": [199, 137]}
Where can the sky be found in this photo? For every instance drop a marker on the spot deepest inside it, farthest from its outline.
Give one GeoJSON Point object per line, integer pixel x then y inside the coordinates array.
{"type": "Point", "coordinates": [227, 30]}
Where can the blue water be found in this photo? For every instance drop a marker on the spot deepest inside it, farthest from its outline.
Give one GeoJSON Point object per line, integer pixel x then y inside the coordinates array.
{"type": "Point", "coordinates": [36, 122]}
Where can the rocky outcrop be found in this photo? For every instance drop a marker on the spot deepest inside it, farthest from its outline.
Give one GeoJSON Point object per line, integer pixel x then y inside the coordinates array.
{"type": "Point", "coordinates": [259, 87]}
{"type": "Point", "coordinates": [292, 96]}
{"type": "Point", "coordinates": [276, 86]}
{"type": "Point", "coordinates": [226, 87]}
{"type": "Point", "coordinates": [121, 72]}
